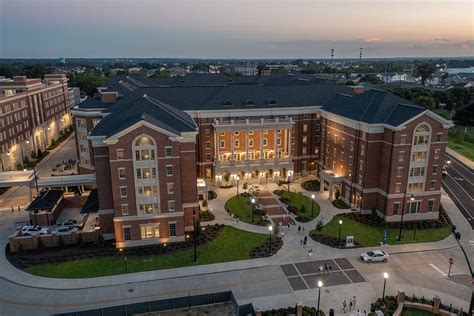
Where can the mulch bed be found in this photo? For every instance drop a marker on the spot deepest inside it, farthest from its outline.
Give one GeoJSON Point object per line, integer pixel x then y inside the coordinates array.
{"type": "Point", "coordinates": [311, 185]}
{"type": "Point", "coordinates": [331, 241]}
{"type": "Point", "coordinates": [262, 251]}
{"type": "Point", "coordinates": [32, 258]}
{"type": "Point", "coordinates": [378, 222]}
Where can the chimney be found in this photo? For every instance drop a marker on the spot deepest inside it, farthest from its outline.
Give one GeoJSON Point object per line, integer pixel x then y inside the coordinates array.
{"type": "Point", "coordinates": [108, 97]}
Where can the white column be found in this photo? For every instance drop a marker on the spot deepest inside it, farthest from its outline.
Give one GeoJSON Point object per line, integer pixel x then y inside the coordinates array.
{"type": "Point", "coordinates": [261, 143]}
{"type": "Point", "coordinates": [275, 135]}
{"type": "Point", "coordinates": [247, 144]}
{"type": "Point", "coordinates": [216, 144]}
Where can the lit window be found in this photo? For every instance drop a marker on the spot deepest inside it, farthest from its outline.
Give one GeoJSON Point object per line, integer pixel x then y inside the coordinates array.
{"type": "Point", "coordinates": [396, 208]}
{"type": "Point", "coordinates": [170, 188]}
{"type": "Point", "coordinates": [121, 173]}
{"type": "Point", "coordinates": [124, 209]}
{"type": "Point", "coordinates": [171, 205]}
{"type": "Point", "coordinates": [120, 154]}
{"type": "Point", "coordinates": [123, 192]}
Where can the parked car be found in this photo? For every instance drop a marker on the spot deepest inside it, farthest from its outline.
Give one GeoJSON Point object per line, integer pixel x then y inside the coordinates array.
{"type": "Point", "coordinates": [67, 222]}
{"type": "Point", "coordinates": [65, 229]}
{"type": "Point", "coordinates": [444, 172]}
{"type": "Point", "coordinates": [374, 256]}
{"type": "Point", "coordinates": [34, 230]}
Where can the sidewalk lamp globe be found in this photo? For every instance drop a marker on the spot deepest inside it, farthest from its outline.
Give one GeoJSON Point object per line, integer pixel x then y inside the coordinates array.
{"type": "Point", "coordinates": [270, 228]}
{"type": "Point", "coordinates": [320, 283]}
{"type": "Point", "coordinates": [253, 201]}
{"type": "Point", "coordinates": [340, 222]}
{"type": "Point", "coordinates": [313, 196]}
{"type": "Point", "coordinates": [385, 275]}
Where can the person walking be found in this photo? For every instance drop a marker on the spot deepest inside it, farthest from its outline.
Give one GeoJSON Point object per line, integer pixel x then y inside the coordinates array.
{"type": "Point", "coordinates": [299, 228]}
{"type": "Point", "coordinates": [350, 305]}
{"type": "Point", "coordinates": [344, 306]}
{"type": "Point", "coordinates": [354, 302]}
{"type": "Point", "coordinates": [358, 313]}
{"type": "Point", "coordinates": [301, 243]}
{"type": "Point", "coordinates": [325, 268]}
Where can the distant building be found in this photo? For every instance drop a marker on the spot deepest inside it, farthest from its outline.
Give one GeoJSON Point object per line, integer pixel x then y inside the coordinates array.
{"type": "Point", "coordinates": [245, 70]}
{"type": "Point", "coordinates": [33, 112]}
{"type": "Point", "coordinates": [392, 77]}
{"type": "Point", "coordinates": [74, 96]}
{"type": "Point", "coordinates": [62, 60]}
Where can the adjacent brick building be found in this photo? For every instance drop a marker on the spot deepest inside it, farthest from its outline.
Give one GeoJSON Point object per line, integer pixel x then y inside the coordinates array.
{"type": "Point", "coordinates": [372, 149]}
{"type": "Point", "coordinates": [32, 113]}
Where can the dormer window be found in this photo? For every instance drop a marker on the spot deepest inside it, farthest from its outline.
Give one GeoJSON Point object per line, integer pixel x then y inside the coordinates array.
{"type": "Point", "coordinates": [249, 103]}
{"type": "Point", "coordinates": [272, 102]}
{"type": "Point", "coordinates": [227, 103]}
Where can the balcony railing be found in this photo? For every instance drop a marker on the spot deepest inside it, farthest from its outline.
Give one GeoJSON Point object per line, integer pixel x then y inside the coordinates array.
{"type": "Point", "coordinates": [254, 122]}
{"type": "Point", "coordinates": [246, 163]}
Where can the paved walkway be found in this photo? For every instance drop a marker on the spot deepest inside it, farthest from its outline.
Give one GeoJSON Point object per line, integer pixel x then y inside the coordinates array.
{"type": "Point", "coordinates": [260, 281]}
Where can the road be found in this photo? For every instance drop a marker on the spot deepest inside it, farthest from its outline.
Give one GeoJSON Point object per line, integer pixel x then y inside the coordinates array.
{"type": "Point", "coordinates": [459, 185]}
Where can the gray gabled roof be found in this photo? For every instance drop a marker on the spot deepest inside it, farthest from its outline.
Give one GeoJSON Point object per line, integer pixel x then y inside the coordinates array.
{"type": "Point", "coordinates": [373, 107]}
{"type": "Point", "coordinates": [147, 109]}
{"type": "Point", "coordinates": [45, 200]}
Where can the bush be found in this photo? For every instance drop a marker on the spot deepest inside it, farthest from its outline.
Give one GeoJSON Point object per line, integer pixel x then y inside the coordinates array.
{"type": "Point", "coordinates": [207, 216]}
{"type": "Point", "coordinates": [245, 186]}
{"type": "Point", "coordinates": [60, 241]}
{"type": "Point", "coordinates": [53, 143]}
{"type": "Point", "coordinates": [19, 166]}
{"type": "Point", "coordinates": [311, 185]}
{"type": "Point", "coordinates": [33, 154]}
{"type": "Point", "coordinates": [39, 154]}
{"type": "Point", "coordinates": [211, 195]}
{"type": "Point", "coordinates": [100, 241]}
{"type": "Point", "coordinates": [260, 212]}
{"type": "Point", "coordinates": [340, 204]}
{"type": "Point", "coordinates": [40, 244]}
{"type": "Point", "coordinates": [20, 249]}
{"type": "Point", "coordinates": [319, 226]}
{"type": "Point", "coordinates": [80, 240]}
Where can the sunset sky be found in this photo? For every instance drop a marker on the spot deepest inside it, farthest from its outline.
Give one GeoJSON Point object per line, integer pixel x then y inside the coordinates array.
{"type": "Point", "coordinates": [235, 28]}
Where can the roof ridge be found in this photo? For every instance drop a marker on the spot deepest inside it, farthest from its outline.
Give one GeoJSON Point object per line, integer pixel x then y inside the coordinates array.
{"type": "Point", "coordinates": [368, 105]}
{"type": "Point", "coordinates": [166, 107]}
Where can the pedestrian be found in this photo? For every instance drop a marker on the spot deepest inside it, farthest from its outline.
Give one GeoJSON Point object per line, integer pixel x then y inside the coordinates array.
{"type": "Point", "coordinates": [299, 228]}
{"type": "Point", "coordinates": [301, 243]}
{"type": "Point", "coordinates": [350, 305]}
{"type": "Point", "coordinates": [330, 268]}
{"type": "Point", "coordinates": [304, 243]}
{"type": "Point", "coordinates": [365, 313]}
{"type": "Point", "coordinates": [344, 306]}
{"type": "Point", "coordinates": [289, 226]}
{"type": "Point", "coordinates": [325, 268]}
{"type": "Point", "coordinates": [302, 228]}
{"type": "Point", "coordinates": [305, 239]}
{"type": "Point", "coordinates": [354, 302]}
{"type": "Point", "coordinates": [321, 268]}
{"type": "Point", "coordinates": [237, 219]}
{"type": "Point", "coordinates": [358, 313]}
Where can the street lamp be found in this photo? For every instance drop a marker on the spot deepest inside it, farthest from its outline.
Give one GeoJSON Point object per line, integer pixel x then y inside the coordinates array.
{"type": "Point", "coordinates": [253, 210]}
{"type": "Point", "coordinates": [340, 225]}
{"type": "Point", "coordinates": [196, 232]}
{"type": "Point", "coordinates": [312, 204]}
{"type": "Point", "coordinates": [320, 285]}
{"type": "Point", "coordinates": [34, 167]}
{"type": "Point", "coordinates": [125, 259]}
{"type": "Point", "coordinates": [270, 228]}
{"type": "Point", "coordinates": [238, 178]}
{"type": "Point", "coordinates": [412, 198]}
{"type": "Point", "coordinates": [385, 277]}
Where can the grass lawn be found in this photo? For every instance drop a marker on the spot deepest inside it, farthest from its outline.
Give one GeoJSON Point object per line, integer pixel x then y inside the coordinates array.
{"type": "Point", "coordinates": [240, 206]}
{"type": "Point", "coordinates": [298, 199]}
{"type": "Point", "coordinates": [466, 149]}
{"type": "Point", "coordinates": [231, 245]}
{"type": "Point", "coordinates": [368, 236]}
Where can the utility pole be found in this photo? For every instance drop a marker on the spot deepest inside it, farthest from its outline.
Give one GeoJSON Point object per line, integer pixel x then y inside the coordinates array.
{"type": "Point", "coordinates": [360, 59]}
{"type": "Point", "coordinates": [332, 59]}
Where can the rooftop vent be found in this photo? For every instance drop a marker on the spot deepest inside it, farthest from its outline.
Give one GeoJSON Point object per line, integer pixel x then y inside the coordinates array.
{"type": "Point", "coordinates": [145, 95]}
{"type": "Point", "coordinates": [272, 102]}
{"type": "Point", "coordinates": [227, 103]}
{"type": "Point", "coordinates": [249, 103]}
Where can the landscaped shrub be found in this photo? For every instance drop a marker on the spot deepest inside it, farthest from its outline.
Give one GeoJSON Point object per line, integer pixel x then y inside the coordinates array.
{"type": "Point", "coordinates": [100, 240]}
{"type": "Point", "coordinates": [311, 185]}
{"type": "Point", "coordinates": [206, 216]}
{"type": "Point", "coordinates": [80, 240]}
{"type": "Point", "coordinates": [319, 226]}
{"type": "Point", "coordinates": [340, 204]}
{"type": "Point", "coordinates": [60, 241]}
{"type": "Point", "coordinates": [211, 195]}
{"type": "Point", "coordinates": [20, 249]}
{"type": "Point", "coordinates": [260, 212]}
{"type": "Point", "coordinates": [40, 244]}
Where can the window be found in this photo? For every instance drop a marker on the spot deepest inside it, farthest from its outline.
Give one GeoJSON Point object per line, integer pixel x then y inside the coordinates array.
{"type": "Point", "coordinates": [222, 144]}
{"type": "Point", "coordinates": [415, 187]}
{"type": "Point", "coordinates": [401, 156]}
{"type": "Point", "coordinates": [316, 138]}
{"type": "Point", "coordinates": [250, 142]}
{"type": "Point", "coordinates": [148, 208]}
{"type": "Point", "coordinates": [439, 137]}
{"type": "Point", "coordinates": [420, 139]}
{"type": "Point", "coordinates": [121, 173]}
{"type": "Point", "coordinates": [417, 172]}
{"type": "Point", "coordinates": [414, 207]}
{"type": "Point", "coordinates": [146, 173]}
{"type": "Point", "coordinates": [396, 208]}
{"type": "Point", "coordinates": [433, 184]}
{"type": "Point", "coordinates": [237, 143]}
{"type": "Point", "coordinates": [250, 132]}
{"type": "Point", "coordinates": [403, 139]}
{"type": "Point", "coordinates": [169, 170]}
{"type": "Point", "coordinates": [399, 172]}
{"type": "Point", "coordinates": [304, 151]}
{"type": "Point", "coordinates": [434, 169]}
{"type": "Point", "coordinates": [123, 192]}
{"type": "Point", "coordinates": [430, 205]}
{"type": "Point", "coordinates": [147, 191]}
{"type": "Point", "coordinates": [222, 133]}
{"type": "Point", "coordinates": [436, 154]}
{"type": "Point", "coordinates": [171, 205]}
{"type": "Point", "coordinates": [127, 233]}
{"type": "Point", "coordinates": [172, 229]}
{"type": "Point", "coordinates": [279, 141]}
{"type": "Point", "coordinates": [208, 157]}
{"type": "Point", "coordinates": [168, 151]}
{"type": "Point", "coordinates": [398, 187]}
{"type": "Point", "coordinates": [120, 154]}
{"type": "Point", "coordinates": [208, 145]}
{"type": "Point", "coordinates": [150, 231]}
{"type": "Point", "coordinates": [144, 154]}
{"type": "Point", "coordinates": [305, 139]}
{"type": "Point", "coordinates": [170, 188]}
{"type": "Point", "coordinates": [265, 141]}
{"type": "Point", "coordinates": [124, 208]}
{"type": "Point", "coordinates": [236, 133]}
{"type": "Point", "coordinates": [418, 156]}
{"type": "Point", "coordinates": [305, 127]}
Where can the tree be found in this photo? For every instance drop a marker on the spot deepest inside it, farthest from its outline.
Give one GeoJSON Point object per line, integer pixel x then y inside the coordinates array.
{"type": "Point", "coordinates": [425, 71]}
{"type": "Point", "coordinates": [465, 115]}
{"type": "Point", "coordinates": [427, 102]}
{"type": "Point", "coordinates": [372, 78]}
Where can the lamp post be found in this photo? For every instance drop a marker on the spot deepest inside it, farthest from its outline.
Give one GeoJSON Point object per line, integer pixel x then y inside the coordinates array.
{"type": "Point", "coordinates": [339, 239]}
{"type": "Point", "coordinates": [412, 198]}
{"type": "Point", "coordinates": [320, 285]}
{"type": "Point", "coordinates": [253, 210]}
{"type": "Point", "coordinates": [312, 204]}
{"type": "Point", "coordinates": [385, 277]}
{"type": "Point", "coordinates": [270, 228]}
{"type": "Point", "coordinates": [22, 156]}
{"type": "Point", "coordinates": [195, 235]}
{"type": "Point", "coordinates": [238, 178]}
{"type": "Point", "coordinates": [34, 167]}
{"type": "Point", "coordinates": [125, 259]}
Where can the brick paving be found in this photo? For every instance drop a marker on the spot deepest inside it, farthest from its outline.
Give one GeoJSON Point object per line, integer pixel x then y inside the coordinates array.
{"type": "Point", "coordinates": [275, 211]}
{"type": "Point", "coordinates": [284, 221]}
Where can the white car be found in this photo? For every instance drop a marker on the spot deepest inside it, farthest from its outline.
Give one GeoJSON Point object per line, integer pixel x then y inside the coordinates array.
{"type": "Point", "coordinates": [33, 230]}
{"type": "Point", "coordinates": [374, 256]}
{"type": "Point", "coordinates": [65, 229]}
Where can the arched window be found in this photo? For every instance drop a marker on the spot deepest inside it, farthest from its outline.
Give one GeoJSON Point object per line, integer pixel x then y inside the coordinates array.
{"type": "Point", "coordinates": [422, 133]}
{"type": "Point", "coordinates": [144, 149]}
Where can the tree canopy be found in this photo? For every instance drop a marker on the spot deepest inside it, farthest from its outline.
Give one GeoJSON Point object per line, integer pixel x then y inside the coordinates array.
{"type": "Point", "coordinates": [425, 71]}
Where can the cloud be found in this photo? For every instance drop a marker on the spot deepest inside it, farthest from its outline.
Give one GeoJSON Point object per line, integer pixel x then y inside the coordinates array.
{"type": "Point", "coordinates": [372, 39]}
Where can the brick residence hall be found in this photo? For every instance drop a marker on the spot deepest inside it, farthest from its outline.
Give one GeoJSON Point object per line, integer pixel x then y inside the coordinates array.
{"type": "Point", "coordinates": [151, 140]}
